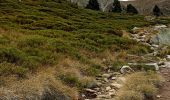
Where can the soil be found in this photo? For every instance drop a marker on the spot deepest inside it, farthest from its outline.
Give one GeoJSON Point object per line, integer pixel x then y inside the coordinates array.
{"type": "Point", "coordinates": [164, 91]}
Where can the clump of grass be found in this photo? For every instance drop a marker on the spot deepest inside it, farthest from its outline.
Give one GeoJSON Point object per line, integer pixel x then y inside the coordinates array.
{"type": "Point", "coordinates": [130, 95]}
{"type": "Point", "coordinates": [143, 67]}
{"type": "Point", "coordinates": [164, 52]}
{"type": "Point", "coordinates": [8, 69]}
{"type": "Point", "coordinates": [143, 83]}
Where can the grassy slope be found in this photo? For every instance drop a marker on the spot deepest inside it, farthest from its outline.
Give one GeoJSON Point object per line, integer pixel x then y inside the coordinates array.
{"type": "Point", "coordinates": [37, 34]}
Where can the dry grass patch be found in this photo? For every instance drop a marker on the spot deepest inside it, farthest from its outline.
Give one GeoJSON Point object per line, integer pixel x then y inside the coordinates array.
{"type": "Point", "coordinates": [43, 85]}
{"type": "Point", "coordinates": [143, 83]}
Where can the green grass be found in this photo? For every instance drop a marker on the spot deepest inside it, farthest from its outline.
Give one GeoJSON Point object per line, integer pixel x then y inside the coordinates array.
{"type": "Point", "coordinates": [36, 33]}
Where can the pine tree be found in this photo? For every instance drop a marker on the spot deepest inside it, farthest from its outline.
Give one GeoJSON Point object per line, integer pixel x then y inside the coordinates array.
{"type": "Point", "coordinates": [117, 6]}
{"type": "Point", "coordinates": [131, 9]}
{"type": "Point", "coordinates": [93, 4]}
{"type": "Point", "coordinates": [157, 11]}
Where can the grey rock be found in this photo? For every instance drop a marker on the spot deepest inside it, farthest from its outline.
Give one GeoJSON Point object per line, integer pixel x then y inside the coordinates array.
{"type": "Point", "coordinates": [116, 85]}
{"type": "Point", "coordinates": [126, 69]}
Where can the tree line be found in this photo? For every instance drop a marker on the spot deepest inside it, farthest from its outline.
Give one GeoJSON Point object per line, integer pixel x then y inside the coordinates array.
{"type": "Point", "coordinates": [94, 5]}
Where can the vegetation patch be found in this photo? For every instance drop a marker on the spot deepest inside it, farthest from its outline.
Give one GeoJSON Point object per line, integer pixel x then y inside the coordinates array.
{"type": "Point", "coordinates": [145, 84]}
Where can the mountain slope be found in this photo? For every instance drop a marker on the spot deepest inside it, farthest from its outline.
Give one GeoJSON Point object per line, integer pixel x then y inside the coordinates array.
{"type": "Point", "coordinates": [53, 49]}
{"type": "Point", "coordinates": [146, 6]}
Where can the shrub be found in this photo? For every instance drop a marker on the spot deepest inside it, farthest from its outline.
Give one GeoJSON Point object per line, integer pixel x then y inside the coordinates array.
{"type": "Point", "coordinates": [130, 95]}
{"type": "Point", "coordinates": [131, 9]}
{"type": "Point", "coordinates": [149, 91]}
{"type": "Point", "coordinates": [70, 79]}
{"type": "Point", "coordinates": [33, 41]}
{"type": "Point", "coordinates": [93, 4]}
{"type": "Point", "coordinates": [157, 11]}
{"type": "Point", "coordinates": [8, 69]}
{"type": "Point", "coordinates": [11, 55]}
{"type": "Point", "coordinates": [117, 6]}
{"type": "Point", "coordinates": [141, 83]}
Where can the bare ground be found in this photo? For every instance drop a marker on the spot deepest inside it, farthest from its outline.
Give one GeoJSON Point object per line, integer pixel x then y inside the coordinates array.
{"type": "Point", "coordinates": [164, 91]}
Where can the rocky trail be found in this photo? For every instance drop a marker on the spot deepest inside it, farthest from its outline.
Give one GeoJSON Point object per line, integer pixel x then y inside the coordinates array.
{"type": "Point", "coordinates": [109, 83]}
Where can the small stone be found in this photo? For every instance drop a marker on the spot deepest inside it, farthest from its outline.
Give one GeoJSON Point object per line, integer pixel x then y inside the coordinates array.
{"type": "Point", "coordinates": [158, 96]}
{"type": "Point", "coordinates": [165, 73]}
{"type": "Point", "coordinates": [155, 46]}
{"type": "Point", "coordinates": [116, 85]}
{"type": "Point", "coordinates": [99, 84]}
{"type": "Point", "coordinates": [90, 90]}
{"type": "Point", "coordinates": [99, 93]}
{"type": "Point", "coordinates": [111, 93]}
{"type": "Point", "coordinates": [106, 80]}
{"type": "Point", "coordinates": [168, 80]}
{"type": "Point", "coordinates": [106, 75]}
{"type": "Point", "coordinates": [97, 89]}
{"type": "Point", "coordinates": [83, 95]}
{"type": "Point", "coordinates": [113, 78]}
{"type": "Point", "coordinates": [108, 88]}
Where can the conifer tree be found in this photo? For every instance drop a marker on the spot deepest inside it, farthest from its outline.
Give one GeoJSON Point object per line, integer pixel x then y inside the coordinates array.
{"type": "Point", "coordinates": [117, 6]}
{"type": "Point", "coordinates": [131, 9]}
{"type": "Point", "coordinates": [93, 4]}
{"type": "Point", "coordinates": [157, 11]}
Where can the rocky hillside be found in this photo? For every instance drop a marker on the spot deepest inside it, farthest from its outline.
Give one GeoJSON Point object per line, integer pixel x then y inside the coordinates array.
{"type": "Point", "coordinates": [146, 6]}
{"type": "Point", "coordinates": [104, 4]}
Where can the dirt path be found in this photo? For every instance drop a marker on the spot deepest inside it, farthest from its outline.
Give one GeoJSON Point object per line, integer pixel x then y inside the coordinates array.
{"type": "Point", "coordinates": [164, 92]}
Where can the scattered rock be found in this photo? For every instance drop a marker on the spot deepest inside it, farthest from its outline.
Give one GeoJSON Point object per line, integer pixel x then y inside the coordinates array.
{"type": "Point", "coordinates": [90, 93]}
{"type": "Point", "coordinates": [155, 46]}
{"type": "Point", "coordinates": [113, 78]}
{"type": "Point", "coordinates": [158, 27]}
{"type": "Point", "coordinates": [108, 88]}
{"type": "Point", "coordinates": [99, 84]}
{"type": "Point", "coordinates": [90, 90]}
{"type": "Point", "coordinates": [106, 75]}
{"type": "Point", "coordinates": [106, 80]}
{"type": "Point", "coordinates": [111, 94]}
{"type": "Point", "coordinates": [116, 85]}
